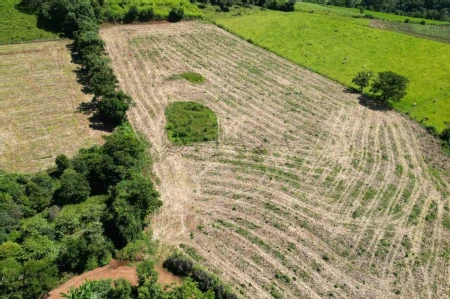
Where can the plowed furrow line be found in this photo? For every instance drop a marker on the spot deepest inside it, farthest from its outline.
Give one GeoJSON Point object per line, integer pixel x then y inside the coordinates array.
{"type": "Point", "coordinates": [236, 82]}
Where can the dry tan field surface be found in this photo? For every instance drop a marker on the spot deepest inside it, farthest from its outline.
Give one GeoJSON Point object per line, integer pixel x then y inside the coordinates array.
{"type": "Point", "coordinates": [39, 96]}
{"type": "Point", "coordinates": [307, 193]}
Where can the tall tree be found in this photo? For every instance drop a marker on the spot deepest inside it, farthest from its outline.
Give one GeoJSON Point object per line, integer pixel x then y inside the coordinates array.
{"type": "Point", "coordinates": [390, 86]}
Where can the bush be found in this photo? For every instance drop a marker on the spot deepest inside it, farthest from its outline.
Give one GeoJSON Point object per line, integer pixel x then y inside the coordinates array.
{"type": "Point", "coordinates": [205, 281]}
{"type": "Point", "coordinates": [406, 21]}
{"type": "Point", "coordinates": [445, 134]}
{"type": "Point", "coordinates": [147, 14]}
{"type": "Point", "coordinates": [176, 14]}
{"type": "Point", "coordinates": [132, 15]}
{"type": "Point", "coordinates": [178, 266]}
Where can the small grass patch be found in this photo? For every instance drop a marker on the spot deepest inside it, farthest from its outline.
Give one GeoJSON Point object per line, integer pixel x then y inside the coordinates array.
{"type": "Point", "coordinates": [192, 77]}
{"type": "Point", "coordinates": [190, 122]}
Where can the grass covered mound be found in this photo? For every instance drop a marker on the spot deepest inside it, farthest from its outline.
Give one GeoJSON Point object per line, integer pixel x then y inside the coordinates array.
{"type": "Point", "coordinates": [192, 77]}
{"type": "Point", "coordinates": [190, 122]}
{"type": "Point", "coordinates": [16, 26]}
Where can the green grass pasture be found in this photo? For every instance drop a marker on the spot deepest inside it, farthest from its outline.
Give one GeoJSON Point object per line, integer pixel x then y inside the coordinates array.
{"type": "Point", "coordinates": [354, 12]}
{"type": "Point", "coordinates": [439, 33]}
{"type": "Point", "coordinates": [16, 26]}
{"type": "Point", "coordinates": [338, 47]}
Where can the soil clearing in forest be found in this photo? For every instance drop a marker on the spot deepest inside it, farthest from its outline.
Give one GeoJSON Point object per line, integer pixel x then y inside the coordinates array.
{"type": "Point", "coordinates": [307, 193]}
{"type": "Point", "coordinates": [38, 109]}
{"type": "Point", "coordinates": [107, 272]}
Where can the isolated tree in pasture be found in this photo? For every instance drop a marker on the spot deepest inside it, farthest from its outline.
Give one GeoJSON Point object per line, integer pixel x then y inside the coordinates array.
{"type": "Point", "coordinates": [390, 86]}
{"type": "Point", "coordinates": [362, 79]}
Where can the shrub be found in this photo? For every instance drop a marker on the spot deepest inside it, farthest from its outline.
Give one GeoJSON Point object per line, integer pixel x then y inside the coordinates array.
{"type": "Point", "coordinates": [445, 134]}
{"type": "Point", "coordinates": [176, 14]}
{"type": "Point", "coordinates": [205, 281]}
{"type": "Point", "coordinates": [362, 79]}
{"type": "Point", "coordinates": [178, 266]}
{"type": "Point", "coordinates": [147, 14]}
{"type": "Point", "coordinates": [406, 21]}
{"type": "Point", "coordinates": [132, 15]}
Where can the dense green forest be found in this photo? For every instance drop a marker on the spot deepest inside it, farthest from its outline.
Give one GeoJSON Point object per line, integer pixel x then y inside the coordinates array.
{"type": "Point", "coordinates": [428, 9]}
{"type": "Point", "coordinates": [75, 216]}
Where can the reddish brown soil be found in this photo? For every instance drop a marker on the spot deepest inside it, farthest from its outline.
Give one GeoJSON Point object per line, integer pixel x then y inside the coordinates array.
{"type": "Point", "coordinates": [113, 271]}
{"type": "Point", "coordinates": [166, 278]}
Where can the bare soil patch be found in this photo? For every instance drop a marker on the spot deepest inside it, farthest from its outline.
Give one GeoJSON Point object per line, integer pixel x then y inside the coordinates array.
{"type": "Point", "coordinates": [112, 271]}
{"type": "Point", "coordinates": [306, 193]}
{"type": "Point", "coordinates": [38, 109]}
{"type": "Point", "coordinates": [167, 279]}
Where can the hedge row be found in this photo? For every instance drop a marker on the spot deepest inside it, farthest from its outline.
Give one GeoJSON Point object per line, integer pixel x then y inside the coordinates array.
{"type": "Point", "coordinates": [182, 266]}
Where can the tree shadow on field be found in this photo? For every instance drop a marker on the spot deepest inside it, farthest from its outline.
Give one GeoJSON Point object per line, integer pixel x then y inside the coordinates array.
{"type": "Point", "coordinates": [373, 102]}
{"type": "Point", "coordinates": [79, 72]}
{"type": "Point", "coordinates": [88, 108]}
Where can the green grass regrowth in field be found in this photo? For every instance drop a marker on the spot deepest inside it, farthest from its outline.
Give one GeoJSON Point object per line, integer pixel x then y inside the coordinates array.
{"type": "Point", "coordinates": [16, 26]}
{"type": "Point", "coordinates": [190, 122]}
{"type": "Point", "coordinates": [339, 46]}
{"type": "Point", "coordinates": [192, 77]}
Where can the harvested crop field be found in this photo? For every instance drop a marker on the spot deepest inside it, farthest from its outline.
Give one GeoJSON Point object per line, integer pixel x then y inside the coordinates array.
{"type": "Point", "coordinates": [307, 193]}
{"type": "Point", "coordinates": [38, 110]}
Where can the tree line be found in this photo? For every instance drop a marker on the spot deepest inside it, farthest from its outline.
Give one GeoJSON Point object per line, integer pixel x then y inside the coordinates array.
{"type": "Point", "coordinates": [281, 5]}
{"type": "Point", "coordinates": [427, 9]}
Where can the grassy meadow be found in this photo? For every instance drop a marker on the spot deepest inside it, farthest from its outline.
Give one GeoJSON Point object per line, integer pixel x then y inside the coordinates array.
{"type": "Point", "coordinates": [354, 12]}
{"type": "Point", "coordinates": [339, 46]}
{"type": "Point", "coordinates": [16, 26]}
{"type": "Point", "coordinates": [440, 33]}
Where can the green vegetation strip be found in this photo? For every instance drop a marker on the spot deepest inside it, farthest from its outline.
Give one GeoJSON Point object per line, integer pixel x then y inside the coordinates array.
{"type": "Point", "coordinates": [190, 122]}
{"type": "Point", "coordinates": [339, 46]}
{"type": "Point", "coordinates": [192, 77]}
